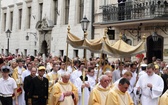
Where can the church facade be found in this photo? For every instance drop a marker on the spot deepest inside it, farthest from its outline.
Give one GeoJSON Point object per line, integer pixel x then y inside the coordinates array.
{"type": "Point", "coordinates": [40, 26]}
{"type": "Point", "coordinates": [133, 19]}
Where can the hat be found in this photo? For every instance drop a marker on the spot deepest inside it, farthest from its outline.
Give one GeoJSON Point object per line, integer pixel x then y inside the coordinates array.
{"type": "Point", "coordinates": [144, 65]}
{"type": "Point", "coordinates": [41, 68]}
{"type": "Point", "coordinates": [5, 69]}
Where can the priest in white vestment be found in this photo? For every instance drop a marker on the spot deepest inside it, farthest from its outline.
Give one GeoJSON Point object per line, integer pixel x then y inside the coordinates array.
{"type": "Point", "coordinates": [83, 87]}
{"type": "Point", "coordinates": [77, 73]}
{"type": "Point", "coordinates": [91, 79]}
{"type": "Point", "coordinates": [150, 86]}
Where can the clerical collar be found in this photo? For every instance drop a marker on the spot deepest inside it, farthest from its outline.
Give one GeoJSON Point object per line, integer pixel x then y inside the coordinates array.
{"type": "Point", "coordinates": [100, 86]}
{"type": "Point", "coordinates": [54, 72]}
{"type": "Point", "coordinates": [119, 90]}
{"type": "Point", "coordinates": [19, 67]}
{"type": "Point", "coordinates": [61, 82]}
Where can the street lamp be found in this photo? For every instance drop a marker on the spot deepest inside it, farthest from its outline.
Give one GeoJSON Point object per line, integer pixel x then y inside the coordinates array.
{"type": "Point", "coordinates": [28, 33]}
{"type": "Point", "coordinates": [8, 32]}
{"type": "Point", "coordinates": [84, 23]}
{"type": "Point", "coordinates": [155, 37]}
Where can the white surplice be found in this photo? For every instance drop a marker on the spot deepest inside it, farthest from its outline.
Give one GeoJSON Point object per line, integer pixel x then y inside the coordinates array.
{"type": "Point", "coordinates": [150, 96]}
{"type": "Point", "coordinates": [74, 75]}
{"type": "Point", "coordinates": [91, 81]}
{"type": "Point", "coordinates": [78, 83]}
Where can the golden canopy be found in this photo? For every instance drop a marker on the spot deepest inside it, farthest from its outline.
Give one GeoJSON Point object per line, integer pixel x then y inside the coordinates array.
{"type": "Point", "coordinates": [103, 45]}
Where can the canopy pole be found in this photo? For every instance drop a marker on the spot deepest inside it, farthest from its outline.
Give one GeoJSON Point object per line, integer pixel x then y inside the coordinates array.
{"type": "Point", "coordinates": [98, 68]}
{"type": "Point", "coordinates": [67, 56]}
{"type": "Point", "coordinates": [101, 56]}
{"type": "Point", "coordinates": [68, 31]}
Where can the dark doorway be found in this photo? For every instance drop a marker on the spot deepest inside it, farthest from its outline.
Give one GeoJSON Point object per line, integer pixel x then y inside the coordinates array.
{"type": "Point", "coordinates": [154, 48]}
{"type": "Point", "coordinates": [44, 48]}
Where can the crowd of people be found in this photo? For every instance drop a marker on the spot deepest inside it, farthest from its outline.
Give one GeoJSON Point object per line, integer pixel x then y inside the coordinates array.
{"type": "Point", "coordinates": [61, 81]}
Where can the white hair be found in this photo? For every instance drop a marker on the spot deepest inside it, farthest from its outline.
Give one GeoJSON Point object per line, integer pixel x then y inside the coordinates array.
{"type": "Point", "coordinates": [65, 74]}
{"type": "Point", "coordinates": [101, 77]}
{"type": "Point", "coordinates": [107, 72]}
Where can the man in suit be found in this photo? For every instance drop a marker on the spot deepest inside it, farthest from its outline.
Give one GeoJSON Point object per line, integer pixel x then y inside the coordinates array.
{"type": "Point", "coordinates": [26, 84]}
{"type": "Point", "coordinates": [38, 93]}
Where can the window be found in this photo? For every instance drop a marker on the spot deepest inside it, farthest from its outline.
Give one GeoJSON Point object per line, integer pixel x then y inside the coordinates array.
{"type": "Point", "coordinates": [4, 21]}
{"type": "Point", "coordinates": [61, 53]}
{"type": "Point", "coordinates": [41, 10]}
{"type": "Point", "coordinates": [111, 34]}
{"type": "Point", "coordinates": [20, 18]}
{"type": "Point", "coordinates": [81, 9]}
{"type": "Point", "coordinates": [17, 51]}
{"type": "Point", "coordinates": [6, 51]}
{"type": "Point", "coordinates": [11, 20]}
{"type": "Point", "coordinates": [55, 11]}
{"type": "Point", "coordinates": [2, 51]}
{"type": "Point", "coordinates": [25, 52]}
{"type": "Point", "coordinates": [35, 52]}
{"type": "Point", "coordinates": [67, 2]}
{"type": "Point", "coordinates": [75, 53]}
{"type": "Point", "coordinates": [29, 17]}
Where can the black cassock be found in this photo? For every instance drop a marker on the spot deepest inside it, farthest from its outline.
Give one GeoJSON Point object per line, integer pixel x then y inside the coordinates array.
{"type": "Point", "coordinates": [39, 91]}
{"type": "Point", "coordinates": [26, 87]}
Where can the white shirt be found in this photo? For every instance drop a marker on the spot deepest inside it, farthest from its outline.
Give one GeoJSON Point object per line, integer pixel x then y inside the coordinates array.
{"type": "Point", "coordinates": [61, 71]}
{"type": "Point", "coordinates": [78, 83]}
{"type": "Point", "coordinates": [116, 74]}
{"type": "Point", "coordinates": [7, 86]}
{"type": "Point", "coordinates": [141, 73]}
{"type": "Point", "coordinates": [74, 75]}
{"type": "Point", "coordinates": [25, 74]}
{"type": "Point", "coordinates": [96, 73]}
{"type": "Point", "coordinates": [133, 81]}
{"type": "Point", "coordinates": [150, 96]}
{"type": "Point", "coordinates": [69, 69]}
{"type": "Point", "coordinates": [91, 81]}
{"type": "Point", "coordinates": [49, 67]}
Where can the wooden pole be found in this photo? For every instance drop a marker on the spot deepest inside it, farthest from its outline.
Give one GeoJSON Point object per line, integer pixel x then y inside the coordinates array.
{"type": "Point", "coordinates": [68, 29]}
{"type": "Point", "coordinates": [67, 56]}
{"type": "Point", "coordinates": [101, 56]}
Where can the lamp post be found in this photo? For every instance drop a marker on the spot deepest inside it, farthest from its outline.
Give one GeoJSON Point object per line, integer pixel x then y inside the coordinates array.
{"type": "Point", "coordinates": [34, 33]}
{"type": "Point", "coordinates": [8, 32]}
{"type": "Point", "coordinates": [84, 23]}
{"type": "Point", "coordinates": [155, 36]}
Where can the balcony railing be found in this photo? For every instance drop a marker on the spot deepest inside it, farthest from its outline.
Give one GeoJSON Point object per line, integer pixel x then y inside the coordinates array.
{"type": "Point", "coordinates": [134, 11]}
